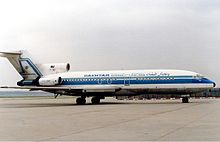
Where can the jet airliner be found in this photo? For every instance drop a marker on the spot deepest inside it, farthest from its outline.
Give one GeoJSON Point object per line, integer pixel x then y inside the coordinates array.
{"type": "Point", "coordinates": [56, 78]}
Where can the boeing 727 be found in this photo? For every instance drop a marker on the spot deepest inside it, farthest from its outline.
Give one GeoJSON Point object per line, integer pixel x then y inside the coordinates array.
{"type": "Point", "coordinates": [56, 78]}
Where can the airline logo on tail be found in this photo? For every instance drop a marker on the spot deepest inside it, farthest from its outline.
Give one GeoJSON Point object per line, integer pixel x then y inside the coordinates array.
{"type": "Point", "coordinates": [23, 64]}
{"type": "Point", "coordinates": [29, 70]}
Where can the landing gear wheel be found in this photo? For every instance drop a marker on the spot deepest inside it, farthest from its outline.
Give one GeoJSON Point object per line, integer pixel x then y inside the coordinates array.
{"type": "Point", "coordinates": [185, 100]}
{"type": "Point", "coordinates": [95, 100]}
{"type": "Point", "coordinates": [80, 101]}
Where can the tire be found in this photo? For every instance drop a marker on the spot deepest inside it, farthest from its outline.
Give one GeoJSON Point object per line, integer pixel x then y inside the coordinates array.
{"type": "Point", "coordinates": [185, 100]}
{"type": "Point", "coordinates": [95, 100]}
{"type": "Point", "coordinates": [80, 101]}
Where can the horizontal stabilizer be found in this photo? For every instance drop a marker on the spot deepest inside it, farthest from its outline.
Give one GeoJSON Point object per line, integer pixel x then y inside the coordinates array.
{"type": "Point", "coordinates": [9, 54]}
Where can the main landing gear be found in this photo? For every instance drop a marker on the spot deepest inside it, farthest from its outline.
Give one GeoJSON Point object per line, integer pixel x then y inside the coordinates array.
{"type": "Point", "coordinates": [82, 100]}
{"type": "Point", "coordinates": [95, 100]}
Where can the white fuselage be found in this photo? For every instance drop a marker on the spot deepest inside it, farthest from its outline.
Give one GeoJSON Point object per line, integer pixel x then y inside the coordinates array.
{"type": "Point", "coordinates": [135, 80]}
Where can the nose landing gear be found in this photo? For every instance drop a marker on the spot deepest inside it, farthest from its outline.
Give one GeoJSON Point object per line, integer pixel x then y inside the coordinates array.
{"type": "Point", "coordinates": [185, 99]}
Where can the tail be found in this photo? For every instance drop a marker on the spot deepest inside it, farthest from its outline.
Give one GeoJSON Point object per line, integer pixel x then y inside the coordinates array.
{"type": "Point", "coordinates": [31, 71]}
{"type": "Point", "coordinates": [23, 63]}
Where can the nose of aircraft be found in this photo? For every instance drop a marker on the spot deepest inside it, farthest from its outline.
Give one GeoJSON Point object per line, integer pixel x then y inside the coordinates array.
{"type": "Point", "coordinates": [210, 81]}
{"type": "Point", "coordinates": [214, 84]}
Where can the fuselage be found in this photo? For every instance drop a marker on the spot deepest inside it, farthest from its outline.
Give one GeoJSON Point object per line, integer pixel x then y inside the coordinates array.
{"type": "Point", "coordinates": [137, 81]}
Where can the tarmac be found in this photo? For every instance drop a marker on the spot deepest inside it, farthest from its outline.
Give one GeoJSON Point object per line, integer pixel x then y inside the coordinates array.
{"type": "Point", "coordinates": [48, 119]}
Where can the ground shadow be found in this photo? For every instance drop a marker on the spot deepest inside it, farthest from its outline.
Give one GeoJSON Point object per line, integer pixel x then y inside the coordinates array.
{"type": "Point", "coordinates": [156, 102]}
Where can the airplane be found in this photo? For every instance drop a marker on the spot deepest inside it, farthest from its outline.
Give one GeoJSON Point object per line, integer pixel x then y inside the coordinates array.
{"type": "Point", "coordinates": [56, 78]}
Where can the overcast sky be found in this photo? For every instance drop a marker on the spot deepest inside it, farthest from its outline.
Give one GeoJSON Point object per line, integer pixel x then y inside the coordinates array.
{"type": "Point", "coordinates": [113, 34]}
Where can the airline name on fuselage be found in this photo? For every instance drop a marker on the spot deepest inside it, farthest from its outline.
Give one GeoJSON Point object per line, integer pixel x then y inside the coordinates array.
{"type": "Point", "coordinates": [97, 75]}
{"type": "Point", "coordinates": [128, 75]}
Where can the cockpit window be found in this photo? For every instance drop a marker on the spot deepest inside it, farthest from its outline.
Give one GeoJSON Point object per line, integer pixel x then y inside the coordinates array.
{"type": "Point", "coordinates": [199, 76]}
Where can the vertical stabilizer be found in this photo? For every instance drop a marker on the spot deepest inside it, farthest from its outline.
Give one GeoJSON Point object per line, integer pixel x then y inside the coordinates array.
{"type": "Point", "coordinates": [23, 64]}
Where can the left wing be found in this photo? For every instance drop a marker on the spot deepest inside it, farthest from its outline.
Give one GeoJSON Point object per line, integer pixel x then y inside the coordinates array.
{"type": "Point", "coordinates": [72, 89]}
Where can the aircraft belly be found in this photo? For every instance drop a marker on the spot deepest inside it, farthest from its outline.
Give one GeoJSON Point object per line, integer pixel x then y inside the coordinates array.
{"type": "Point", "coordinates": [140, 89]}
{"type": "Point", "coordinates": [168, 89]}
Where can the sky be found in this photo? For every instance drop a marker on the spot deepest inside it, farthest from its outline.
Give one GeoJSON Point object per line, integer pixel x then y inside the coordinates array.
{"type": "Point", "coordinates": [113, 34]}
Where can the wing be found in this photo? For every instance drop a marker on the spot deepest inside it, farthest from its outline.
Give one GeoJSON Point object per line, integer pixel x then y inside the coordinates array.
{"type": "Point", "coordinates": [68, 89]}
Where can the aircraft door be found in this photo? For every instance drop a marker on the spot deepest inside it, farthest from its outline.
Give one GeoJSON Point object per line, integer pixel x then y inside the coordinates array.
{"type": "Point", "coordinates": [99, 81]}
{"type": "Point", "coordinates": [127, 81]}
{"type": "Point", "coordinates": [109, 81]}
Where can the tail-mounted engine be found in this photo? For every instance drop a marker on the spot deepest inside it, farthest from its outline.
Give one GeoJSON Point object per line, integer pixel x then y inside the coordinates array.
{"type": "Point", "coordinates": [45, 81]}
{"type": "Point", "coordinates": [55, 68]}
{"type": "Point", "coordinates": [50, 81]}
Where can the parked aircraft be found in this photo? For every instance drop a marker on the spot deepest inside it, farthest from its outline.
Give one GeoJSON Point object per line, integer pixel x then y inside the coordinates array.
{"type": "Point", "coordinates": [56, 78]}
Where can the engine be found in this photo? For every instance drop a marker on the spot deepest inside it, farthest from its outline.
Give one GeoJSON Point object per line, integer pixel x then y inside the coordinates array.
{"type": "Point", "coordinates": [50, 81]}
{"type": "Point", "coordinates": [55, 68]}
